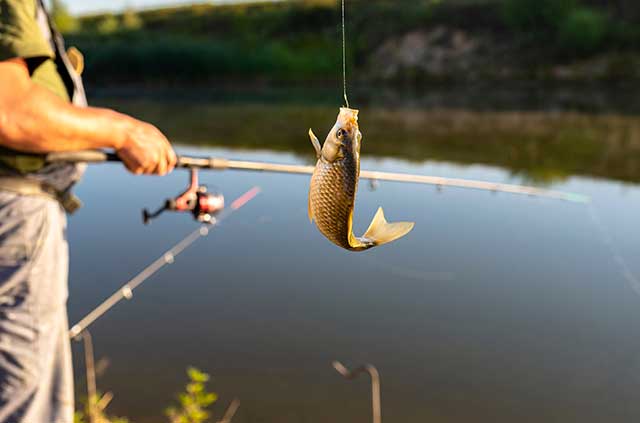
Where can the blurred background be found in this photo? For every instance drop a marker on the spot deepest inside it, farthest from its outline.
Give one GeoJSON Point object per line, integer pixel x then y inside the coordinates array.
{"type": "Point", "coordinates": [495, 308]}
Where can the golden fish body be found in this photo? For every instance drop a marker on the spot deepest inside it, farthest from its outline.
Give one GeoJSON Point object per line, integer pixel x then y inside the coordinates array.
{"type": "Point", "coordinates": [334, 185]}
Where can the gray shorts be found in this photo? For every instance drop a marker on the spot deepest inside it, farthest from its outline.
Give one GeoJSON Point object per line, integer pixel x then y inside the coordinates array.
{"type": "Point", "coordinates": [36, 378]}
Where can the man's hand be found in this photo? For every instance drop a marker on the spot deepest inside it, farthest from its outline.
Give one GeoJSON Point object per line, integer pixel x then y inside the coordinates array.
{"type": "Point", "coordinates": [146, 150]}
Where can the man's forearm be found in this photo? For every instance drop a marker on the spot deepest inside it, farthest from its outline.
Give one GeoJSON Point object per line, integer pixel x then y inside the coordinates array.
{"type": "Point", "coordinates": [34, 120]}
{"type": "Point", "coordinates": [40, 122]}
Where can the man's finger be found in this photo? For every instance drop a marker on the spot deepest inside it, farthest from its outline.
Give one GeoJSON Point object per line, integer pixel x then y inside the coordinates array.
{"type": "Point", "coordinates": [173, 159]}
{"type": "Point", "coordinates": [130, 163]}
{"type": "Point", "coordinates": [170, 155]}
{"type": "Point", "coordinates": [151, 163]}
{"type": "Point", "coordinates": [132, 166]}
{"type": "Point", "coordinates": [162, 165]}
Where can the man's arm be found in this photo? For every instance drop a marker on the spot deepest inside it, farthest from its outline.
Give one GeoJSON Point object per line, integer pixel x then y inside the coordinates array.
{"type": "Point", "coordinates": [34, 120]}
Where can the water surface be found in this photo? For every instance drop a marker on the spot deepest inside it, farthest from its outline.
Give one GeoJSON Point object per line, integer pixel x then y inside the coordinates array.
{"type": "Point", "coordinates": [495, 307]}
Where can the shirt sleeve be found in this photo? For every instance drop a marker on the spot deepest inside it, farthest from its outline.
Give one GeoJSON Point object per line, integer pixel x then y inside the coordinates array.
{"type": "Point", "coordinates": [20, 34]}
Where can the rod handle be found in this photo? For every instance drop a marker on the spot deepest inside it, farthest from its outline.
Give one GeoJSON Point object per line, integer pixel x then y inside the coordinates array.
{"type": "Point", "coordinates": [88, 156]}
{"type": "Point", "coordinates": [101, 156]}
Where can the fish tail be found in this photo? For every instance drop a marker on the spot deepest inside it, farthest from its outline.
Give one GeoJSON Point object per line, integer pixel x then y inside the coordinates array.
{"type": "Point", "coordinates": [381, 232]}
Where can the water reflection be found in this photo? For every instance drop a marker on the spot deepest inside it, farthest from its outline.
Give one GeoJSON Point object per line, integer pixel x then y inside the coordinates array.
{"type": "Point", "coordinates": [542, 147]}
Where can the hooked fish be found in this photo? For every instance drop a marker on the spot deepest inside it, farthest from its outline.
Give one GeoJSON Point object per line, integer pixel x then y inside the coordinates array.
{"type": "Point", "coordinates": [334, 184]}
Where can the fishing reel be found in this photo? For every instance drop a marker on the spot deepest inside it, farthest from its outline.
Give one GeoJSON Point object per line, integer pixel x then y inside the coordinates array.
{"type": "Point", "coordinates": [202, 204]}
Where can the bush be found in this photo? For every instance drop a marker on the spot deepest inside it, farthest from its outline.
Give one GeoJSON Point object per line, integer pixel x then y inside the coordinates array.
{"type": "Point", "coordinates": [584, 30]}
{"type": "Point", "coordinates": [143, 55]}
{"type": "Point", "coordinates": [538, 16]}
{"type": "Point", "coordinates": [193, 404]}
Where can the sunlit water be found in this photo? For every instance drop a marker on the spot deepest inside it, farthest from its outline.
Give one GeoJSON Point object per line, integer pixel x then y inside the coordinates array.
{"type": "Point", "coordinates": [495, 308]}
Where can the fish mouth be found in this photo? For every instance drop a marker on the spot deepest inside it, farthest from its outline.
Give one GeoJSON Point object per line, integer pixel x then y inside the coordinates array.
{"type": "Point", "coordinates": [348, 118]}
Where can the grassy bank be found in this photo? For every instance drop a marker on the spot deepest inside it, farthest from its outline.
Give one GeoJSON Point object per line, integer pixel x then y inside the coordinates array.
{"type": "Point", "coordinates": [299, 40]}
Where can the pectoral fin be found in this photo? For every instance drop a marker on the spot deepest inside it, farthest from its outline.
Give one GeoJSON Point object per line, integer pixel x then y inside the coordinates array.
{"type": "Point", "coordinates": [316, 143]}
{"type": "Point", "coordinates": [381, 232]}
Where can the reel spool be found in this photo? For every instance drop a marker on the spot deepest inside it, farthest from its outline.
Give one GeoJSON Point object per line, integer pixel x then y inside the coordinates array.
{"type": "Point", "coordinates": [197, 200]}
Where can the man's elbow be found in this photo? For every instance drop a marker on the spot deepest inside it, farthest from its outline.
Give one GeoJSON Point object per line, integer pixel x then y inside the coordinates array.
{"type": "Point", "coordinates": [12, 130]}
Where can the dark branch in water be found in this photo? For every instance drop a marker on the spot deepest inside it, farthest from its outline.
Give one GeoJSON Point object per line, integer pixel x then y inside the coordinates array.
{"type": "Point", "coordinates": [90, 373]}
{"type": "Point", "coordinates": [375, 385]}
{"type": "Point", "coordinates": [231, 411]}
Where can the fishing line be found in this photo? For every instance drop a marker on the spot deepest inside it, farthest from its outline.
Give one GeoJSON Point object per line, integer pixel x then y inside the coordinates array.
{"type": "Point", "coordinates": [126, 291]}
{"type": "Point", "coordinates": [344, 56]}
{"type": "Point", "coordinates": [607, 240]}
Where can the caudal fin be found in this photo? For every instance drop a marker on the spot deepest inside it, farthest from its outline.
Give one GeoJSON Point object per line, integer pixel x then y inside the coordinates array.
{"type": "Point", "coordinates": [381, 232]}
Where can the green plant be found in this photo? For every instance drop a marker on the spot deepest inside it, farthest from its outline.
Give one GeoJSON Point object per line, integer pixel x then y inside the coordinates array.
{"type": "Point", "coordinates": [193, 404]}
{"type": "Point", "coordinates": [584, 30]}
{"type": "Point", "coordinates": [95, 407]}
{"type": "Point", "coordinates": [194, 401]}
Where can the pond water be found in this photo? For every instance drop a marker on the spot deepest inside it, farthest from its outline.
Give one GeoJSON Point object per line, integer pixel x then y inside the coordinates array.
{"type": "Point", "coordinates": [495, 307]}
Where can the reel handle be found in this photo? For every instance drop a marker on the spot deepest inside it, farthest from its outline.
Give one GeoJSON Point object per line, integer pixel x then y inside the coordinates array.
{"type": "Point", "coordinates": [147, 216]}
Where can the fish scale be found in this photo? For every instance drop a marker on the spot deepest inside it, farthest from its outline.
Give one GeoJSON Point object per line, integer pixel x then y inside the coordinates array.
{"type": "Point", "coordinates": [332, 193]}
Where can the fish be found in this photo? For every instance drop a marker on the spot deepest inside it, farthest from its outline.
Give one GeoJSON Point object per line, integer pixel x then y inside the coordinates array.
{"type": "Point", "coordinates": [333, 187]}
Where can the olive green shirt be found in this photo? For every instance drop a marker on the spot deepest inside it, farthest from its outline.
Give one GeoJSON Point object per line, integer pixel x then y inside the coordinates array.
{"type": "Point", "coordinates": [22, 36]}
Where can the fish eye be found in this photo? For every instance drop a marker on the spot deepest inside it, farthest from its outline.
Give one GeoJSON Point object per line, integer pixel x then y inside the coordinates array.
{"type": "Point", "coordinates": [341, 133]}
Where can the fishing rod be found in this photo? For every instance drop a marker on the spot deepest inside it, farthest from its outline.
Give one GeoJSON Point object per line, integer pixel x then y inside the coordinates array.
{"type": "Point", "coordinates": [217, 163]}
{"type": "Point", "coordinates": [126, 291]}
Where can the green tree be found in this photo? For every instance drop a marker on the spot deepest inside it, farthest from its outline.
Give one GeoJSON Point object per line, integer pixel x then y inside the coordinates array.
{"type": "Point", "coordinates": [131, 20]}
{"type": "Point", "coordinates": [584, 30]}
{"type": "Point", "coordinates": [108, 24]}
{"type": "Point", "coordinates": [64, 21]}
